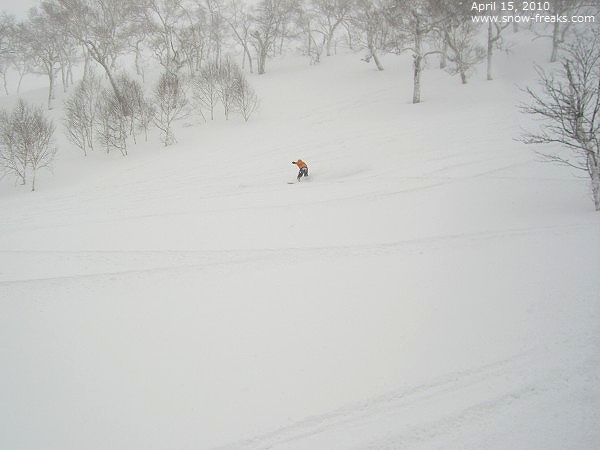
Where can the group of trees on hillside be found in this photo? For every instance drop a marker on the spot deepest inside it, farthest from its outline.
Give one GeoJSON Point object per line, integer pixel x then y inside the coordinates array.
{"type": "Point", "coordinates": [184, 35]}
{"type": "Point", "coordinates": [191, 41]}
{"type": "Point", "coordinates": [96, 114]}
{"type": "Point", "coordinates": [26, 142]}
{"type": "Point", "coordinates": [567, 104]}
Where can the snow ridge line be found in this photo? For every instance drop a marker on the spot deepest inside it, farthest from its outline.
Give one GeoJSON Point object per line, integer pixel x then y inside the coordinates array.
{"type": "Point", "coordinates": [476, 385]}
{"type": "Point", "coordinates": [201, 259]}
{"type": "Point", "coordinates": [178, 265]}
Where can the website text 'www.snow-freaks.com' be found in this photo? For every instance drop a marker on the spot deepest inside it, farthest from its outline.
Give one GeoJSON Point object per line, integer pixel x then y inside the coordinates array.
{"type": "Point", "coordinates": [525, 12]}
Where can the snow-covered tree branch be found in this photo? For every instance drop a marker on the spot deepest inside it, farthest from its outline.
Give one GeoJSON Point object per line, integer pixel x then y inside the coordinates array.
{"type": "Point", "coordinates": [567, 103]}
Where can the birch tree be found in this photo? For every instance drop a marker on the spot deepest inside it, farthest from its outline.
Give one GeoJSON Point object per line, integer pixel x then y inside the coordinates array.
{"type": "Point", "coordinates": [163, 21]}
{"type": "Point", "coordinates": [40, 134]}
{"type": "Point", "coordinates": [270, 19]}
{"type": "Point", "coordinates": [80, 111]}
{"type": "Point", "coordinates": [7, 46]}
{"type": "Point", "coordinates": [246, 99]}
{"type": "Point", "coordinates": [559, 28]}
{"type": "Point", "coordinates": [494, 41]}
{"type": "Point", "coordinates": [464, 53]}
{"type": "Point", "coordinates": [239, 20]}
{"type": "Point", "coordinates": [330, 15]}
{"type": "Point", "coordinates": [372, 29]}
{"type": "Point", "coordinates": [415, 22]}
{"type": "Point", "coordinates": [42, 45]}
{"type": "Point", "coordinates": [112, 126]}
{"type": "Point", "coordinates": [12, 155]}
{"type": "Point", "coordinates": [567, 102]}
{"type": "Point", "coordinates": [102, 27]}
{"type": "Point", "coordinates": [171, 101]}
{"type": "Point", "coordinates": [205, 88]}
{"type": "Point", "coordinates": [26, 141]}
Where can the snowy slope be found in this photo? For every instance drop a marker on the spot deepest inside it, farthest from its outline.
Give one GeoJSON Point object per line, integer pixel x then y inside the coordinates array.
{"type": "Point", "coordinates": [433, 284]}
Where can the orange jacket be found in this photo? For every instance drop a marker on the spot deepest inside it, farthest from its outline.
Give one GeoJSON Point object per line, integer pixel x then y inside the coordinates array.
{"type": "Point", "coordinates": [301, 164]}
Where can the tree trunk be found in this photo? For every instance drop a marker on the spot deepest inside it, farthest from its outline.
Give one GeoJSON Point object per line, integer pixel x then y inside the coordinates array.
{"type": "Point", "coordinates": [51, 87]}
{"type": "Point", "coordinates": [594, 171]}
{"type": "Point", "coordinates": [418, 65]}
{"type": "Point", "coordinates": [63, 75]}
{"type": "Point", "coordinates": [21, 75]}
{"type": "Point", "coordinates": [555, 41]}
{"type": "Point", "coordinates": [490, 51]}
{"type": "Point", "coordinates": [373, 52]}
{"type": "Point", "coordinates": [138, 62]}
{"type": "Point", "coordinates": [329, 38]}
{"type": "Point", "coordinates": [376, 59]}
{"type": "Point", "coordinates": [4, 82]}
{"type": "Point", "coordinates": [261, 52]}
{"type": "Point", "coordinates": [417, 79]}
{"type": "Point", "coordinates": [102, 61]}
{"type": "Point", "coordinates": [262, 60]}
{"type": "Point", "coordinates": [444, 55]}
{"type": "Point", "coordinates": [86, 64]}
{"type": "Point", "coordinates": [247, 53]}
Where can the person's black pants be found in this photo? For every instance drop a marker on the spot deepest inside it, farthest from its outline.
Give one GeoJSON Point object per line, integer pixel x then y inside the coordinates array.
{"type": "Point", "coordinates": [303, 172]}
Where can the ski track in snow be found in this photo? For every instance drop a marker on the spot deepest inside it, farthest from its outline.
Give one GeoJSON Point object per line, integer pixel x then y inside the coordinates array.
{"type": "Point", "coordinates": [424, 413]}
{"type": "Point", "coordinates": [174, 260]}
{"type": "Point", "coordinates": [431, 285]}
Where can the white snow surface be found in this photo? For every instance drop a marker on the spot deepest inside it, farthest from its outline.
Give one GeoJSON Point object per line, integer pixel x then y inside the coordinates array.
{"type": "Point", "coordinates": [433, 284]}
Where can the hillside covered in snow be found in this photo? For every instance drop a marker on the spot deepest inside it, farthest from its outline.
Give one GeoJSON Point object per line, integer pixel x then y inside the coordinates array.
{"type": "Point", "coordinates": [432, 284]}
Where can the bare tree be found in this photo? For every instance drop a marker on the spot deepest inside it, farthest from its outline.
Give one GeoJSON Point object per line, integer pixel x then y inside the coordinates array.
{"type": "Point", "coordinates": [42, 40]}
{"type": "Point", "coordinates": [464, 53]}
{"type": "Point", "coordinates": [227, 81]}
{"type": "Point", "coordinates": [80, 111]}
{"type": "Point", "coordinates": [163, 19]}
{"type": "Point", "coordinates": [494, 41]}
{"type": "Point", "coordinates": [111, 124]}
{"type": "Point", "coordinates": [238, 18]}
{"type": "Point", "coordinates": [205, 87]}
{"type": "Point", "coordinates": [568, 105]}
{"type": "Point", "coordinates": [103, 27]}
{"type": "Point", "coordinates": [40, 132]}
{"type": "Point", "coordinates": [246, 99]}
{"type": "Point", "coordinates": [218, 28]}
{"type": "Point", "coordinates": [227, 84]}
{"type": "Point", "coordinates": [142, 110]}
{"type": "Point", "coordinates": [26, 141]}
{"type": "Point", "coordinates": [415, 23]}
{"type": "Point", "coordinates": [264, 32]}
{"type": "Point", "coordinates": [67, 54]}
{"type": "Point", "coordinates": [12, 154]}
{"type": "Point", "coordinates": [560, 28]}
{"type": "Point", "coordinates": [7, 46]}
{"type": "Point", "coordinates": [20, 54]}
{"type": "Point", "coordinates": [171, 102]}
{"type": "Point", "coordinates": [196, 38]}
{"type": "Point", "coordinates": [269, 24]}
{"type": "Point", "coordinates": [235, 92]}
{"type": "Point", "coordinates": [307, 21]}
{"type": "Point", "coordinates": [495, 28]}
{"type": "Point", "coordinates": [372, 28]}
{"type": "Point", "coordinates": [458, 32]}
{"type": "Point", "coordinates": [330, 15]}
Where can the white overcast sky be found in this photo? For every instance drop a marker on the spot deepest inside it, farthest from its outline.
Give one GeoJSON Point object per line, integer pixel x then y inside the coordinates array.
{"type": "Point", "coordinates": [18, 8]}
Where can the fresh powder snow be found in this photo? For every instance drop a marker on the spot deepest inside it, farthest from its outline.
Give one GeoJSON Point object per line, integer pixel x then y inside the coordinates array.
{"type": "Point", "coordinates": [432, 284]}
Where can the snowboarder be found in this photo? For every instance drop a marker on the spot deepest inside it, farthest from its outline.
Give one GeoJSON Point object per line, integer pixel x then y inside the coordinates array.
{"type": "Point", "coordinates": [303, 168]}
